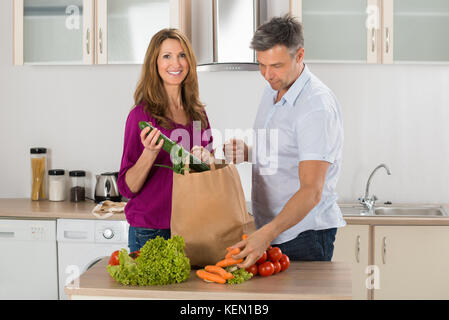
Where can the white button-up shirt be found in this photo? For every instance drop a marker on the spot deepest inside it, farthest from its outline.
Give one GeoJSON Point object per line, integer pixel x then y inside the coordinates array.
{"type": "Point", "coordinates": [306, 124]}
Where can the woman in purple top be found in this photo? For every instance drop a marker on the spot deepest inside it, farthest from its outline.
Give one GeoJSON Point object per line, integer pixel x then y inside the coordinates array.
{"type": "Point", "coordinates": [167, 96]}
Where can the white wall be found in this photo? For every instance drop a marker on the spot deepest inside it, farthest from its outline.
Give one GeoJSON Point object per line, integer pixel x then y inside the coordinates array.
{"type": "Point", "coordinates": [395, 114]}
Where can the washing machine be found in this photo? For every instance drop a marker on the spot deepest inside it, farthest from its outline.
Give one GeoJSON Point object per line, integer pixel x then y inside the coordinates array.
{"type": "Point", "coordinates": [82, 243]}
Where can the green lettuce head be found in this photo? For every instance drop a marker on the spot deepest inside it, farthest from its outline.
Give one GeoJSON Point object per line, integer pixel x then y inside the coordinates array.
{"type": "Point", "coordinates": [163, 262]}
{"type": "Point", "coordinates": [160, 262]}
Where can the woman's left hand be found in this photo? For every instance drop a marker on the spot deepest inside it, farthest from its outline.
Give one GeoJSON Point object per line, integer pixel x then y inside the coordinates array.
{"type": "Point", "coordinates": [202, 154]}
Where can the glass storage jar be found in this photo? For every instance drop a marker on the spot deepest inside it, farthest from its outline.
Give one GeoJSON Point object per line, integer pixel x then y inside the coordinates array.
{"type": "Point", "coordinates": [38, 173]}
{"type": "Point", "coordinates": [56, 185]}
{"type": "Point", "coordinates": [77, 185]}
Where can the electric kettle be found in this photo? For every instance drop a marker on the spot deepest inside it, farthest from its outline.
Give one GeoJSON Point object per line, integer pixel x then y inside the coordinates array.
{"type": "Point", "coordinates": [106, 187]}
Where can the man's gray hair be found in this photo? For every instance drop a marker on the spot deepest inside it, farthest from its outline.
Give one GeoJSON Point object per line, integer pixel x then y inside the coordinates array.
{"type": "Point", "coordinates": [284, 30]}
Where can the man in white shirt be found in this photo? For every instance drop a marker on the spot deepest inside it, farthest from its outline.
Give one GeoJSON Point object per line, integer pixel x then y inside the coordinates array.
{"type": "Point", "coordinates": [293, 191]}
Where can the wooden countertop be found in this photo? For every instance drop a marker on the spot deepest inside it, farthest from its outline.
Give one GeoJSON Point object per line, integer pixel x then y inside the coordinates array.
{"type": "Point", "coordinates": [303, 280]}
{"type": "Point", "coordinates": [27, 209]}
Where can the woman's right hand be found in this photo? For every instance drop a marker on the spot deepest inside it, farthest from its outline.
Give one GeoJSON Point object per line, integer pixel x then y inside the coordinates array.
{"type": "Point", "coordinates": [150, 142]}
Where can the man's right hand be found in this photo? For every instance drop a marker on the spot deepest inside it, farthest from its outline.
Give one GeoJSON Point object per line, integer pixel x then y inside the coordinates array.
{"type": "Point", "coordinates": [235, 151]}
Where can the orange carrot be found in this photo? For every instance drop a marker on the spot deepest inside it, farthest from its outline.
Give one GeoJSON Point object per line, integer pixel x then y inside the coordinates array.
{"type": "Point", "coordinates": [244, 237]}
{"type": "Point", "coordinates": [232, 252]}
{"type": "Point", "coordinates": [220, 271]}
{"type": "Point", "coordinates": [228, 262]}
{"type": "Point", "coordinates": [212, 277]}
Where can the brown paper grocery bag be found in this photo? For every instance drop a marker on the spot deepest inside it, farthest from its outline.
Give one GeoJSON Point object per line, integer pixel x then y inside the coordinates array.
{"type": "Point", "coordinates": [209, 211]}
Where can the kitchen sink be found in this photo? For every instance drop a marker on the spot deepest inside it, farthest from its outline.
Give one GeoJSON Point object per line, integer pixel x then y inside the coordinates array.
{"type": "Point", "coordinates": [411, 211]}
{"type": "Point", "coordinates": [396, 211]}
{"type": "Point", "coordinates": [353, 210]}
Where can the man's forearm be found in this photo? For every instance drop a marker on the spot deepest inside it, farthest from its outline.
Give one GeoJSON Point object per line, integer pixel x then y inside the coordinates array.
{"type": "Point", "coordinates": [299, 205]}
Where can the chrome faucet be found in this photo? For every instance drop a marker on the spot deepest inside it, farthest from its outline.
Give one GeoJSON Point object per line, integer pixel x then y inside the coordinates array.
{"type": "Point", "coordinates": [369, 202]}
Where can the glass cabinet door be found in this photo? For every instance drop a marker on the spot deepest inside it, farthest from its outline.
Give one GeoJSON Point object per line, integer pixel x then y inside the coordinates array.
{"type": "Point", "coordinates": [130, 27]}
{"type": "Point", "coordinates": [421, 30]}
{"type": "Point", "coordinates": [336, 30]}
{"type": "Point", "coordinates": [53, 32]}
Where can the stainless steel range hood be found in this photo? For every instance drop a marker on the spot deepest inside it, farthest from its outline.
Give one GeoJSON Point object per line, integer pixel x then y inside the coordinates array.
{"type": "Point", "coordinates": [222, 31]}
{"type": "Point", "coordinates": [233, 25]}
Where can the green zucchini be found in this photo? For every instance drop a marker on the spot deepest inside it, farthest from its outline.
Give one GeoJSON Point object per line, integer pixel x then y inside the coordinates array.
{"type": "Point", "coordinates": [173, 148]}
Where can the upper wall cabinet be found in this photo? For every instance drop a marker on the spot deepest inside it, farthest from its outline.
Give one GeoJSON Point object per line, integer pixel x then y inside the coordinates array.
{"type": "Point", "coordinates": [420, 29]}
{"type": "Point", "coordinates": [335, 30]}
{"type": "Point", "coordinates": [91, 31]}
{"type": "Point", "coordinates": [376, 31]}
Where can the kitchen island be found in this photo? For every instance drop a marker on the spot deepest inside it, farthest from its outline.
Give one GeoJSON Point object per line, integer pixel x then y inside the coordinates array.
{"type": "Point", "coordinates": [303, 280]}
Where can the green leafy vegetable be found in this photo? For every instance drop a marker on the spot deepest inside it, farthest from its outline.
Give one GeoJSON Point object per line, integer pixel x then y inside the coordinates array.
{"type": "Point", "coordinates": [178, 153]}
{"type": "Point", "coordinates": [160, 262]}
{"type": "Point", "coordinates": [240, 276]}
{"type": "Point", "coordinates": [178, 167]}
{"type": "Point", "coordinates": [126, 272]}
{"type": "Point", "coordinates": [163, 262]}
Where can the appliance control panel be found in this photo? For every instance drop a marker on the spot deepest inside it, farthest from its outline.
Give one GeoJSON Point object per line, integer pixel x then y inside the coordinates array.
{"type": "Point", "coordinates": [111, 232]}
{"type": "Point", "coordinates": [37, 232]}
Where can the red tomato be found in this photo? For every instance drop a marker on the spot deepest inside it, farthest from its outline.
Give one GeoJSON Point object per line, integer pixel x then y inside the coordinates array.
{"type": "Point", "coordinates": [277, 267]}
{"type": "Point", "coordinates": [114, 261]}
{"type": "Point", "coordinates": [285, 262]}
{"type": "Point", "coordinates": [252, 269]}
{"type": "Point", "coordinates": [266, 269]}
{"type": "Point", "coordinates": [134, 254]}
{"type": "Point", "coordinates": [262, 259]}
{"type": "Point", "coordinates": [274, 254]}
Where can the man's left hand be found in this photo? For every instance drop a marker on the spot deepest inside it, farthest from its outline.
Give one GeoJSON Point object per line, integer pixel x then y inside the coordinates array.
{"type": "Point", "coordinates": [253, 247]}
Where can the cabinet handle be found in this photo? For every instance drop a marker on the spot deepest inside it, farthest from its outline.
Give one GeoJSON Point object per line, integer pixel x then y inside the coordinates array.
{"type": "Point", "coordinates": [88, 41]}
{"type": "Point", "coordinates": [384, 252]}
{"type": "Point", "coordinates": [100, 35]}
{"type": "Point", "coordinates": [373, 39]}
{"type": "Point", "coordinates": [387, 43]}
{"type": "Point", "coordinates": [357, 256]}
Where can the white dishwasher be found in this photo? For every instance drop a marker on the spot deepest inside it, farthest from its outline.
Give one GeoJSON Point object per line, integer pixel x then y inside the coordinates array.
{"type": "Point", "coordinates": [82, 243]}
{"type": "Point", "coordinates": [28, 263]}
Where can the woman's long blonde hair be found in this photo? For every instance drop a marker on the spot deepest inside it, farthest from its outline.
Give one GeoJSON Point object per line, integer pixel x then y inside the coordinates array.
{"type": "Point", "coordinates": [150, 89]}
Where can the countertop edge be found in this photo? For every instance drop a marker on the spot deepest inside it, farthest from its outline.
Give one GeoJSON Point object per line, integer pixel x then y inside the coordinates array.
{"type": "Point", "coordinates": [179, 295]}
{"type": "Point", "coordinates": [409, 221]}
{"type": "Point", "coordinates": [25, 208]}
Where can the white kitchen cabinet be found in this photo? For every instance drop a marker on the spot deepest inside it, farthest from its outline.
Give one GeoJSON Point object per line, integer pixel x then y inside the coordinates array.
{"type": "Point", "coordinates": [395, 261]}
{"type": "Point", "coordinates": [125, 28]}
{"type": "Point", "coordinates": [420, 29]}
{"type": "Point", "coordinates": [91, 31]}
{"type": "Point", "coordinates": [53, 31]}
{"type": "Point", "coordinates": [352, 245]}
{"type": "Point", "coordinates": [375, 31]}
{"type": "Point", "coordinates": [413, 262]}
{"type": "Point", "coordinates": [341, 31]}
{"type": "Point", "coordinates": [28, 263]}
